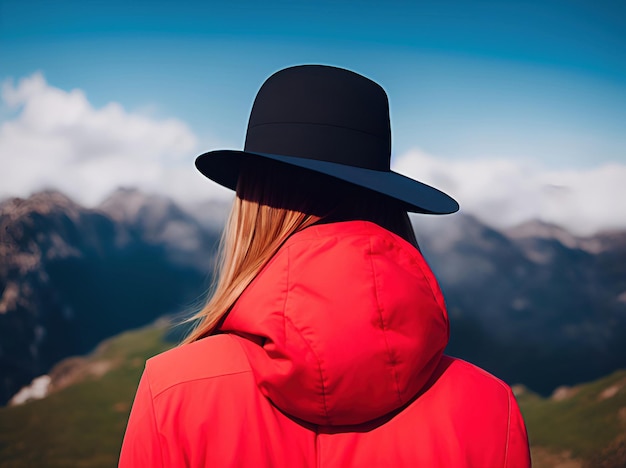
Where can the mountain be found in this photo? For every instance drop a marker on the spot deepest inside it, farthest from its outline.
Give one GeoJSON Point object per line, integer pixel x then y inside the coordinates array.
{"type": "Point", "coordinates": [71, 276]}
{"type": "Point", "coordinates": [156, 220]}
{"type": "Point", "coordinates": [82, 420]}
{"type": "Point", "coordinates": [532, 304]}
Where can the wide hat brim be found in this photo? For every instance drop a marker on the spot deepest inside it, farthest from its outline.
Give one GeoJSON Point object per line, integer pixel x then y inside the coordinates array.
{"type": "Point", "coordinates": [223, 166]}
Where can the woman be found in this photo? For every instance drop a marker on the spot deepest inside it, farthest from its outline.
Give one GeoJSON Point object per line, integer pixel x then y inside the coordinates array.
{"type": "Point", "coordinates": [322, 344]}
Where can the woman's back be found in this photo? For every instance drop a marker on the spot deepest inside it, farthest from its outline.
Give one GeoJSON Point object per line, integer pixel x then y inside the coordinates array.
{"type": "Point", "coordinates": [331, 357]}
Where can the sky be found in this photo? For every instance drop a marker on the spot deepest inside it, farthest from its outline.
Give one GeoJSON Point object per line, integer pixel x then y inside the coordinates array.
{"type": "Point", "coordinates": [517, 109]}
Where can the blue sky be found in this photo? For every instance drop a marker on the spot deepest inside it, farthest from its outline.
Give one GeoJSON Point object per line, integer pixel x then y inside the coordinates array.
{"type": "Point", "coordinates": [540, 83]}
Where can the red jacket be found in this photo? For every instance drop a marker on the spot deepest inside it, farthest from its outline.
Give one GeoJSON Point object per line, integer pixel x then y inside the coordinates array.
{"type": "Point", "coordinates": [332, 357]}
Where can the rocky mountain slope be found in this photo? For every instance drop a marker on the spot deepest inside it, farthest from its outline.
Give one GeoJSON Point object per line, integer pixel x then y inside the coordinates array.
{"type": "Point", "coordinates": [533, 304]}
{"type": "Point", "coordinates": [82, 420]}
{"type": "Point", "coordinates": [70, 276]}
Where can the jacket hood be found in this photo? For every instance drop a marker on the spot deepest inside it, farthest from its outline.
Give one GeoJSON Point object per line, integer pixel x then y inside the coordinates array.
{"type": "Point", "coordinates": [346, 323]}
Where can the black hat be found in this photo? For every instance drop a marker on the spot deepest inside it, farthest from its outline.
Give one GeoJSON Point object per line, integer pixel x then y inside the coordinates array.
{"type": "Point", "coordinates": [328, 120]}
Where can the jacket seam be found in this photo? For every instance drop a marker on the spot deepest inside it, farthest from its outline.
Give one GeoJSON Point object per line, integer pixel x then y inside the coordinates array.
{"type": "Point", "coordinates": [319, 365]}
{"type": "Point", "coordinates": [154, 420]}
{"type": "Point", "coordinates": [318, 450]}
{"type": "Point", "coordinates": [418, 262]}
{"type": "Point", "coordinates": [293, 325]}
{"type": "Point", "coordinates": [161, 392]}
{"type": "Point", "coordinates": [508, 432]}
{"type": "Point", "coordinates": [288, 254]}
{"type": "Point", "coordinates": [382, 323]}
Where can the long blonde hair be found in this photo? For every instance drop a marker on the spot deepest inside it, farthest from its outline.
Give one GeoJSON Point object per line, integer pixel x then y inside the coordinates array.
{"type": "Point", "coordinates": [274, 201]}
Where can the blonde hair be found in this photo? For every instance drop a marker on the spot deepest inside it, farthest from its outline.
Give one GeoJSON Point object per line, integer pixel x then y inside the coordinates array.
{"type": "Point", "coordinates": [273, 202]}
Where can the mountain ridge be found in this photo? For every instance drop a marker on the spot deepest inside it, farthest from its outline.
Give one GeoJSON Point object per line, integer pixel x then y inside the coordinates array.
{"type": "Point", "coordinates": [71, 276]}
{"type": "Point", "coordinates": [522, 303]}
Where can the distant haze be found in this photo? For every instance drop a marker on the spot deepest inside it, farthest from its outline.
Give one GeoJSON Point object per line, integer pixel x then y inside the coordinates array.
{"type": "Point", "coordinates": [58, 139]}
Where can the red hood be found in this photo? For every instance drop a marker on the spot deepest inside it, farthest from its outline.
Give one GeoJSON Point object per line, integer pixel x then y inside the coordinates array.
{"type": "Point", "coordinates": [349, 324]}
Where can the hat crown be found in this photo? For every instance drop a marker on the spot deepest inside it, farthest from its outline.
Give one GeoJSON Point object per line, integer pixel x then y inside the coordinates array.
{"type": "Point", "coordinates": [323, 113]}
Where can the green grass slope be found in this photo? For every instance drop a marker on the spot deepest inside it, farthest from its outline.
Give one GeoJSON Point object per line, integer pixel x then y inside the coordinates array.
{"type": "Point", "coordinates": [81, 423]}
{"type": "Point", "coordinates": [583, 425]}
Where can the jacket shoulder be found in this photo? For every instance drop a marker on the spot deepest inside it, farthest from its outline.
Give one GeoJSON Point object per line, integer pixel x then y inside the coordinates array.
{"type": "Point", "coordinates": [491, 399]}
{"type": "Point", "coordinates": [208, 358]}
{"type": "Point", "coordinates": [463, 369]}
{"type": "Point", "coordinates": [473, 383]}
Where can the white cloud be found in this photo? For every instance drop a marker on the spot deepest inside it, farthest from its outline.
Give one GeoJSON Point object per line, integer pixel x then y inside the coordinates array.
{"type": "Point", "coordinates": [507, 192]}
{"type": "Point", "coordinates": [57, 139]}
